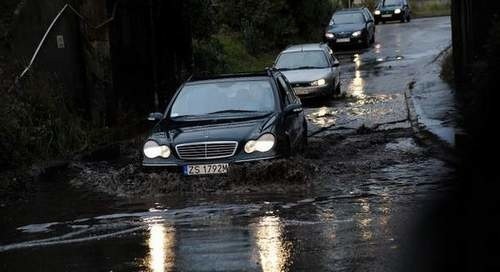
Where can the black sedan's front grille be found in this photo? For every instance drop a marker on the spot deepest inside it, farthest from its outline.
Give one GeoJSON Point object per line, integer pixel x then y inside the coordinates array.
{"type": "Point", "coordinates": [301, 85]}
{"type": "Point", "coordinates": [207, 150]}
{"type": "Point", "coordinates": [343, 35]}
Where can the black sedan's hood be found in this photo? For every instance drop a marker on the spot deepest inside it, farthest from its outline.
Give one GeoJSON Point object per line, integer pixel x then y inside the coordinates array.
{"type": "Point", "coordinates": [345, 28]}
{"type": "Point", "coordinates": [209, 131]}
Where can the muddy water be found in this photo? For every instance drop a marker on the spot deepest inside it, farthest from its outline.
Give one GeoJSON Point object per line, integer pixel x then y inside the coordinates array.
{"type": "Point", "coordinates": [274, 235]}
{"type": "Point", "coordinates": [348, 204]}
{"type": "Point", "coordinates": [365, 192]}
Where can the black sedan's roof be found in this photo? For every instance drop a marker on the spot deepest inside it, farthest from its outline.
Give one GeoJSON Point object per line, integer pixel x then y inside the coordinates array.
{"type": "Point", "coordinates": [351, 10]}
{"type": "Point", "coordinates": [200, 79]}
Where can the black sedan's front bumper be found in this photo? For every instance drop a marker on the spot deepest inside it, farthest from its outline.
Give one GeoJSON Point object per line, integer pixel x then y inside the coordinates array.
{"type": "Point", "coordinates": [346, 40]}
{"type": "Point", "coordinates": [311, 91]}
{"type": "Point", "coordinates": [173, 161]}
{"type": "Point", "coordinates": [389, 16]}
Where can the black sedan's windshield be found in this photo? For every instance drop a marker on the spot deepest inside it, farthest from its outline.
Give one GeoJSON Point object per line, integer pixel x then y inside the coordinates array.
{"type": "Point", "coordinates": [240, 97]}
{"type": "Point", "coordinates": [348, 18]}
{"type": "Point", "coordinates": [302, 60]}
{"type": "Point", "coordinates": [390, 3]}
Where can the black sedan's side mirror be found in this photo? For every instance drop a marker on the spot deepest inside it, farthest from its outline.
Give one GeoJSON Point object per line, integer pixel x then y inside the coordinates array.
{"type": "Point", "coordinates": [155, 116]}
{"type": "Point", "coordinates": [293, 109]}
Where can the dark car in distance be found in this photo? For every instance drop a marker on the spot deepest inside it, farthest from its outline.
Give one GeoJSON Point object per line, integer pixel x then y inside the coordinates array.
{"type": "Point", "coordinates": [392, 10]}
{"type": "Point", "coordinates": [214, 122]}
{"type": "Point", "coordinates": [354, 26]}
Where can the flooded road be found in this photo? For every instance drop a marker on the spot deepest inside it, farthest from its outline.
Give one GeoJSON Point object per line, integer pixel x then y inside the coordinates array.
{"type": "Point", "coordinates": [348, 204]}
{"type": "Point", "coordinates": [376, 81]}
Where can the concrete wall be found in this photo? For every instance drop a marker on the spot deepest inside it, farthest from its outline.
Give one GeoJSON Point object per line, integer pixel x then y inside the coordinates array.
{"type": "Point", "coordinates": [126, 66]}
{"type": "Point", "coordinates": [471, 23]}
{"type": "Point", "coordinates": [63, 62]}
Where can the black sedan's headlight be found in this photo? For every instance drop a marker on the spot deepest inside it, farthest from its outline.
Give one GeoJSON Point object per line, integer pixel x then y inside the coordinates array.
{"type": "Point", "coordinates": [357, 34]}
{"type": "Point", "coordinates": [153, 150]}
{"type": "Point", "coordinates": [265, 143]}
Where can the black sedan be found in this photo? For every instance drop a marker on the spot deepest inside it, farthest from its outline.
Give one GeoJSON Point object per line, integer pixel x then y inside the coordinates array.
{"type": "Point", "coordinates": [391, 10]}
{"type": "Point", "coordinates": [351, 27]}
{"type": "Point", "coordinates": [214, 122]}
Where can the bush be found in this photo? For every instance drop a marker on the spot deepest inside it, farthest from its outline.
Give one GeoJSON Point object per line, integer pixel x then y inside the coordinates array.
{"type": "Point", "coordinates": [370, 4]}
{"type": "Point", "coordinates": [238, 59]}
{"type": "Point", "coordinates": [245, 35]}
{"type": "Point", "coordinates": [430, 8]}
{"type": "Point", "coordinates": [208, 56]}
{"type": "Point", "coordinates": [38, 124]}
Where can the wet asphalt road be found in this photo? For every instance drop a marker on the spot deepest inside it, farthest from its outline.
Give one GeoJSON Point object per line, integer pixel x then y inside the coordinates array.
{"type": "Point", "coordinates": [356, 219]}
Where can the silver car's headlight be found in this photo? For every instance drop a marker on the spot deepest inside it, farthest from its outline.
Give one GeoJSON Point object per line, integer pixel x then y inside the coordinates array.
{"type": "Point", "coordinates": [318, 83]}
{"type": "Point", "coordinates": [397, 11]}
{"type": "Point", "coordinates": [153, 150]}
{"type": "Point", "coordinates": [356, 34]}
{"type": "Point", "coordinates": [265, 143]}
{"type": "Point", "coordinates": [377, 12]}
{"type": "Point", "coordinates": [329, 35]}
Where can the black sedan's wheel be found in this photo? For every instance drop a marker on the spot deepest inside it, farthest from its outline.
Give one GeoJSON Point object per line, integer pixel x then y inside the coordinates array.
{"type": "Point", "coordinates": [304, 140]}
{"type": "Point", "coordinates": [373, 39]}
{"type": "Point", "coordinates": [408, 19]}
{"type": "Point", "coordinates": [367, 42]}
{"type": "Point", "coordinates": [338, 90]}
{"type": "Point", "coordinates": [335, 92]}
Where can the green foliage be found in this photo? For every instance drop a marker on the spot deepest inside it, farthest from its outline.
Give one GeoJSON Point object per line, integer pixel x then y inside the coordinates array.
{"type": "Point", "coordinates": [208, 56]}
{"type": "Point", "coordinates": [244, 35]}
{"type": "Point", "coordinates": [237, 58]}
{"type": "Point", "coordinates": [204, 22]}
{"type": "Point", "coordinates": [370, 4]}
{"type": "Point", "coordinates": [430, 8]}
{"type": "Point", "coordinates": [263, 24]}
{"type": "Point", "coordinates": [310, 17]}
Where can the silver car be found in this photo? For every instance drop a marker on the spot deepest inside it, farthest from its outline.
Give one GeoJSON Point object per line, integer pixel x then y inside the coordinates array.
{"type": "Point", "coordinates": [311, 69]}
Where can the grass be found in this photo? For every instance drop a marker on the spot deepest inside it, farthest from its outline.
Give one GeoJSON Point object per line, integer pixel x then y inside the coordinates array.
{"type": "Point", "coordinates": [237, 58]}
{"type": "Point", "coordinates": [430, 9]}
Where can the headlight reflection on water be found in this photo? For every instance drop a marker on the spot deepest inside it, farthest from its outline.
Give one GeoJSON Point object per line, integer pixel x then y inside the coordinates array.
{"type": "Point", "coordinates": [273, 252]}
{"type": "Point", "coordinates": [161, 245]}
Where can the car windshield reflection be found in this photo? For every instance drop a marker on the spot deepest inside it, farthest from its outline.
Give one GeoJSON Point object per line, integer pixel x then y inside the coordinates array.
{"type": "Point", "coordinates": [302, 60]}
{"type": "Point", "coordinates": [348, 18]}
{"type": "Point", "coordinates": [390, 3]}
{"type": "Point", "coordinates": [251, 97]}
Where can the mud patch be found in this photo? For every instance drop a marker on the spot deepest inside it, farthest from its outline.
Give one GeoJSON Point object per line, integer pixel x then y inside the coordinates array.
{"type": "Point", "coordinates": [326, 159]}
{"type": "Point", "coordinates": [133, 180]}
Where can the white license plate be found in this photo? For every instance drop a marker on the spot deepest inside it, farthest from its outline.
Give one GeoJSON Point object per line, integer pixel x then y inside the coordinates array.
{"type": "Point", "coordinates": [205, 169]}
{"type": "Point", "coordinates": [386, 15]}
{"type": "Point", "coordinates": [345, 40]}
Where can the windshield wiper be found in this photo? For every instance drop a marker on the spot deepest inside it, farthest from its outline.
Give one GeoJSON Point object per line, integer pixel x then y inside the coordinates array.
{"type": "Point", "coordinates": [309, 67]}
{"type": "Point", "coordinates": [233, 111]}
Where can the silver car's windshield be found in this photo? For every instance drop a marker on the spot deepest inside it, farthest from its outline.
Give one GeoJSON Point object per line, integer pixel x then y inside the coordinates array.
{"type": "Point", "coordinates": [348, 18]}
{"type": "Point", "coordinates": [239, 97]}
{"type": "Point", "coordinates": [302, 60]}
